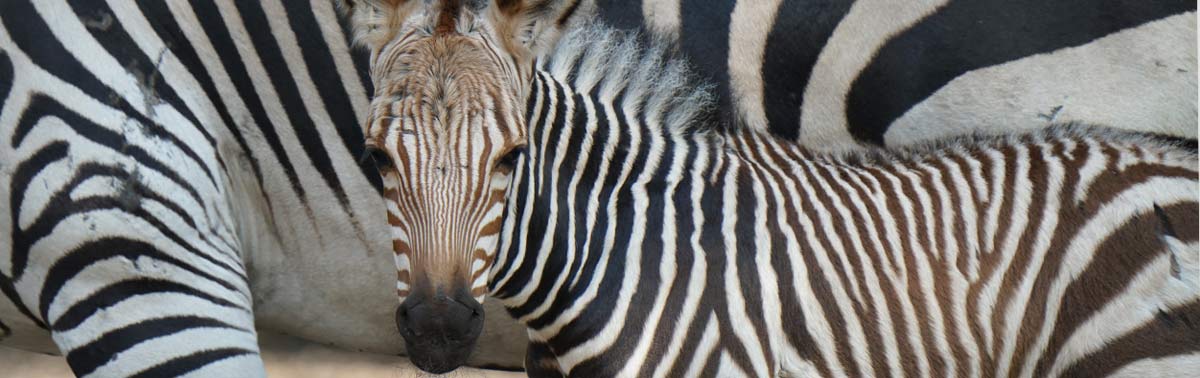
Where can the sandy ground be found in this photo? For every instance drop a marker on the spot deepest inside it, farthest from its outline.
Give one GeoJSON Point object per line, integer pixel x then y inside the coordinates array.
{"type": "Point", "coordinates": [284, 357]}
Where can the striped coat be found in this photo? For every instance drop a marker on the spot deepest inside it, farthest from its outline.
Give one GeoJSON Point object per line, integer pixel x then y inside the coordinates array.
{"type": "Point", "coordinates": [176, 175]}
{"type": "Point", "coordinates": [835, 74]}
{"type": "Point", "coordinates": [637, 242]}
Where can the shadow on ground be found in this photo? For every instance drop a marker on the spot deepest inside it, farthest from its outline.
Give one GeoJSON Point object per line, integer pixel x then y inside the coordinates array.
{"type": "Point", "coordinates": [284, 357]}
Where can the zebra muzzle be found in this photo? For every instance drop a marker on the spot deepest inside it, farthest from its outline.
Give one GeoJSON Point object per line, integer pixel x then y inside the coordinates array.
{"type": "Point", "coordinates": [439, 331]}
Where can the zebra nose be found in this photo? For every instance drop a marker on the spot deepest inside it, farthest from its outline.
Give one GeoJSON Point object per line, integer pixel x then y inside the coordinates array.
{"type": "Point", "coordinates": [439, 331]}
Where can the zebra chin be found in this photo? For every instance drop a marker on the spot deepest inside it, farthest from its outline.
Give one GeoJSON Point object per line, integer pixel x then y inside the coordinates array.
{"type": "Point", "coordinates": [439, 330]}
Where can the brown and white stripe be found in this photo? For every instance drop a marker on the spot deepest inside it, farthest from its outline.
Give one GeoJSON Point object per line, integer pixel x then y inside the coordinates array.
{"type": "Point", "coordinates": [639, 242]}
{"type": "Point", "coordinates": [440, 121]}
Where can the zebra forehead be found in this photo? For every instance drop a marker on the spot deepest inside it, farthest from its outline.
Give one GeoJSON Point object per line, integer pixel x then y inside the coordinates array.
{"type": "Point", "coordinates": [449, 12]}
{"type": "Point", "coordinates": [436, 83]}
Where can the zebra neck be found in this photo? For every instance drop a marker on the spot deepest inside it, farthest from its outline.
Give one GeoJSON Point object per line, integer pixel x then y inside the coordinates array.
{"type": "Point", "coordinates": [592, 162]}
{"type": "Point", "coordinates": [613, 129]}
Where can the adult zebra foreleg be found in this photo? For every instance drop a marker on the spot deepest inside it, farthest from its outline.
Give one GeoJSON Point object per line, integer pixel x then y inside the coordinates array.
{"type": "Point", "coordinates": [128, 280]}
{"type": "Point", "coordinates": [117, 237]}
{"type": "Point", "coordinates": [540, 361]}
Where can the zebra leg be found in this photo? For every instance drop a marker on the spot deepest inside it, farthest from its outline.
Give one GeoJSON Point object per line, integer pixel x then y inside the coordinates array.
{"type": "Point", "coordinates": [124, 291]}
{"type": "Point", "coordinates": [540, 361]}
{"type": "Point", "coordinates": [131, 297]}
{"type": "Point", "coordinates": [156, 319]}
{"type": "Point", "coordinates": [116, 231]}
{"type": "Point", "coordinates": [123, 248]}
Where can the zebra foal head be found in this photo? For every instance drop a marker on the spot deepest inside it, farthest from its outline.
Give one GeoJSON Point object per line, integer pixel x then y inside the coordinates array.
{"type": "Point", "coordinates": [446, 126]}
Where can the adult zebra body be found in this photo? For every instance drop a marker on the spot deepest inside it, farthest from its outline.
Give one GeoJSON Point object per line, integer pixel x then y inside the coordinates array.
{"type": "Point", "coordinates": [833, 74]}
{"type": "Point", "coordinates": [638, 239]}
{"type": "Point", "coordinates": [177, 174]}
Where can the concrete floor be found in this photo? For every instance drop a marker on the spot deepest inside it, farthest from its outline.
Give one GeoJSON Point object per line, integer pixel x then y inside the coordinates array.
{"type": "Point", "coordinates": [284, 357]}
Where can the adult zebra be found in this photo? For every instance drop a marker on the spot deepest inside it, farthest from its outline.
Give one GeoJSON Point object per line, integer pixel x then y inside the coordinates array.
{"type": "Point", "coordinates": [635, 238]}
{"type": "Point", "coordinates": [877, 72]}
{"type": "Point", "coordinates": [175, 174]}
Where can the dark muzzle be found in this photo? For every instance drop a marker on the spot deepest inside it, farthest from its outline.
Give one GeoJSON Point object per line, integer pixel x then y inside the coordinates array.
{"type": "Point", "coordinates": [440, 331]}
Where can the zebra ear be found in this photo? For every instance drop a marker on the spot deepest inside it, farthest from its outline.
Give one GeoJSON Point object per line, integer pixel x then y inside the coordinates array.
{"type": "Point", "coordinates": [529, 28]}
{"type": "Point", "coordinates": [374, 22]}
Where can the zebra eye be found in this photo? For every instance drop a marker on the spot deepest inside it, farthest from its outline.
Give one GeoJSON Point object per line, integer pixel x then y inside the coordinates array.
{"type": "Point", "coordinates": [376, 156]}
{"type": "Point", "coordinates": [509, 160]}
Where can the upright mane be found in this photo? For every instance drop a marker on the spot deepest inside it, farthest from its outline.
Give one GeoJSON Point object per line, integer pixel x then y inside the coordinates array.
{"type": "Point", "coordinates": [635, 72]}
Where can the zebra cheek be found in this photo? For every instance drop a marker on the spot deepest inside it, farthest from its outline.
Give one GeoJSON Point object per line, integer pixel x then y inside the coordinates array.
{"type": "Point", "coordinates": [403, 276]}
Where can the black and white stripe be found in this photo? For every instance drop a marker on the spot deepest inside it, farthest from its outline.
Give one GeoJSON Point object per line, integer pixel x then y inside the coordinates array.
{"type": "Point", "coordinates": [640, 240]}
{"type": "Point", "coordinates": [175, 174]}
{"type": "Point", "coordinates": [834, 74]}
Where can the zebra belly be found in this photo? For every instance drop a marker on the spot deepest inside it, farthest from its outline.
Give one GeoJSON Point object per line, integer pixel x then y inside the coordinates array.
{"type": "Point", "coordinates": [837, 75]}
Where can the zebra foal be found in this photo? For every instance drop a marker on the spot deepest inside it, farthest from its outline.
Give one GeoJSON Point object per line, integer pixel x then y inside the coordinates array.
{"type": "Point", "coordinates": [582, 179]}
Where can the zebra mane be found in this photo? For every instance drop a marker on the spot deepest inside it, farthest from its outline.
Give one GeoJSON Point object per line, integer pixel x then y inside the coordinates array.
{"type": "Point", "coordinates": [635, 73]}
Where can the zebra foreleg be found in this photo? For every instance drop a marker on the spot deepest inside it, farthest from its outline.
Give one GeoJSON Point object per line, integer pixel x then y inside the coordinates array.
{"type": "Point", "coordinates": [133, 310]}
{"type": "Point", "coordinates": [141, 301]}
{"type": "Point", "coordinates": [540, 361]}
